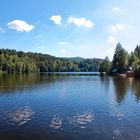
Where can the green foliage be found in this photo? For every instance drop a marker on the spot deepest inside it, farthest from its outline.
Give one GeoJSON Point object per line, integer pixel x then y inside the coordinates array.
{"type": "Point", "coordinates": [18, 61]}
{"type": "Point", "coordinates": [120, 59]}
{"type": "Point", "coordinates": [134, 61]}
{"type": "Point", "coordinates": [137, 51]}
{"type": "Point", "coordinates": [105, 65]}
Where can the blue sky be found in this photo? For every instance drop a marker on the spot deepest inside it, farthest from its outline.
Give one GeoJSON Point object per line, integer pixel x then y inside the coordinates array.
{"type": "Point", "coordinates": [85, 28]}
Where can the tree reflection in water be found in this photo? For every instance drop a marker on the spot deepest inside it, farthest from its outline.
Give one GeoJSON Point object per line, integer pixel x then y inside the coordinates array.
{"type": "Point", "coordinates": [136, 88]}
{"type": "Point", "coordinates": [121, 85]}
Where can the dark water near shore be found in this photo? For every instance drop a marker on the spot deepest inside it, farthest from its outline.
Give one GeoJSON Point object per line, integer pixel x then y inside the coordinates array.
{"type": "Point", "coordinates": [69, 107]}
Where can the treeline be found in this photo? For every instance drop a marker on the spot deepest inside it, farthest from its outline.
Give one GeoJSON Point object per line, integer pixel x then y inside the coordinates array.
{"type": "Point", "coordinates": [18, 61]}
{"type": "Point", "coordinates": [122, 61]}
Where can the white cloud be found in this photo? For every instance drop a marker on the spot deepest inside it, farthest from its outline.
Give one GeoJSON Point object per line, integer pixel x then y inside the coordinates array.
{"type": "Point", "coordinates": [2, 30]}
{"type": "Point", "coordinates": [118, 10]}
{"type": "Point", "coordinates": [112, 40]}
{"type": "Point", "coordinates": [20, 25]}
{"type": "Point", "coordinates": [56, 19]}
{"type": "Point", "coordinates": [81, 22]}
{"type": "Point", "coordinates": [116, 28]}
{"type": "Point", "coordinates": [63, 50]}
{"type": "Point", "coordinates": [63, 43]}
{"type": "Point", "coordinates": [40, 47]}
{"type": "Point", "coordinates": [63, 46]}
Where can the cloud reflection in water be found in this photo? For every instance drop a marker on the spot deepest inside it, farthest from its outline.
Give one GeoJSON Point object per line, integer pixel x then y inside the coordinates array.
{"type": "Point", "coordinates": [83, 120]}
{"type": "Point", "coordinates": [56, 122]}
{"type": "Point", "coordinates": [21, 115]}
{"type": "Point", "coordinates": [117, 134]}
{"type": "Point", "coordinates": [118, 114]}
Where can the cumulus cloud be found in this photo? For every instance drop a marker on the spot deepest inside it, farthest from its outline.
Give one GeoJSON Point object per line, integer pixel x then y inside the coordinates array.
{"type": "Point", "coordinates": [112, 40]}
{"type": "Point", "coordinates": [20, 25]}
{"type": "Point", "coordinates": [116, 28]}
{"type": "Point", "coordinates": [56, 19]}
{"type": "Point", "coordinates": [81, 22]}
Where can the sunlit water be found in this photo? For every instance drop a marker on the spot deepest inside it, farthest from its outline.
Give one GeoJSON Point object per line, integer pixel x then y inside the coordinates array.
{"type": "Point", "coordinates": [69, 107]}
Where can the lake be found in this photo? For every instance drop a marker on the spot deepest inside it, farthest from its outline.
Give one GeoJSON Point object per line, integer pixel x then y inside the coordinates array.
{"type": "Point", "coordinates": [69, 106]}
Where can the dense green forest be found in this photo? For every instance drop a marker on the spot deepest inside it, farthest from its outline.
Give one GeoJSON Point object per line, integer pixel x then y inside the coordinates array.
{"type": "Point", "coordinates": [18, 61]}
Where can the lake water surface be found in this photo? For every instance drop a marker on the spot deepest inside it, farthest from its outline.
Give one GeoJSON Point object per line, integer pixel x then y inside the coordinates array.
{"type": "Point", "coordinates": [69, 107]}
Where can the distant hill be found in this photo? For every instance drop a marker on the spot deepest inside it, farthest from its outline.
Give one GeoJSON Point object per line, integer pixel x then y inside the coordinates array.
{"type": "Point", "coordinates": [19, 61]}
{"type": "Point", "coordinates": [78, 59]}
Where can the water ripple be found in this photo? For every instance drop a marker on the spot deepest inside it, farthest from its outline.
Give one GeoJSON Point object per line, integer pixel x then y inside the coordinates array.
{"type": "Point", "coordinates": [117, 134]}
{"type": "Point", "coordinates": [83, 120]}
{"type": "Point", "coordinates": [21, 115]}
{"type": "Point", "coordinates": [56, 122]}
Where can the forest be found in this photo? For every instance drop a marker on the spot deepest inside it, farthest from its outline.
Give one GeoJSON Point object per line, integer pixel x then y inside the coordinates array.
{"type": "Point", "coordinates": [21, 62]}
